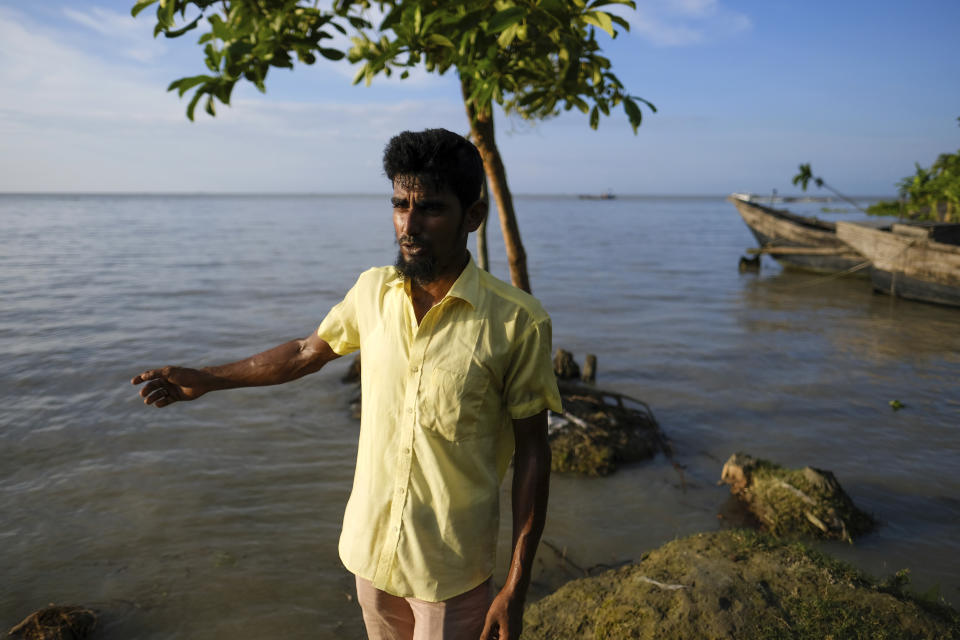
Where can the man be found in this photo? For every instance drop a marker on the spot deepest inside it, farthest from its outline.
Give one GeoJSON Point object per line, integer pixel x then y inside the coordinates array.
{"type": "Point", "coordinates": [456, 378]}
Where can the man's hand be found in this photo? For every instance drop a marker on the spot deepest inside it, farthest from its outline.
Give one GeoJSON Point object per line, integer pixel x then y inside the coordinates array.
{"type": "Point", "coordinates": [171, 384]}
{"type": "Point", "coordinates": [504, 618]}
{"type": "Point", "coordinates": [531, 485]}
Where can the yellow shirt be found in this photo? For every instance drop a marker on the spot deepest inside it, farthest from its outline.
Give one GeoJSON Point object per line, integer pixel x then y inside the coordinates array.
{"type": "Point", "coordinates": [436, 435]}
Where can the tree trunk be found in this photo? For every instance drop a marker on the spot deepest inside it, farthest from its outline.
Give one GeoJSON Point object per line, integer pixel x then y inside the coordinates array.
{"type": "Point", "coordinates": [483, 258]}
{"type": "Point", "coordinates": [481, 130]}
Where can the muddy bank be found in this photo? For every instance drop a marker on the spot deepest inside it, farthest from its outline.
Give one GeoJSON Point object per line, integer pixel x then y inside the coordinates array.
{"type": "Point", "coordinates": [737, 584]}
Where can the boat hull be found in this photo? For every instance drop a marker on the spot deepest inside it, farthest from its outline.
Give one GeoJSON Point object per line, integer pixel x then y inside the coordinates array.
{"type": "Point", "coordinates": [777, 229]}
{"type": "Point", "coordinates": [906, 263]}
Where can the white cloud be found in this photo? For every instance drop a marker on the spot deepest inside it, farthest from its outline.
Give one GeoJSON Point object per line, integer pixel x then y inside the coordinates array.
{"type": "Point", "coordinates": [686, 22]}
{"type": "Point", "coordinates": [73, 121]}
{"type": "Point", "coordinates": [134, 37]}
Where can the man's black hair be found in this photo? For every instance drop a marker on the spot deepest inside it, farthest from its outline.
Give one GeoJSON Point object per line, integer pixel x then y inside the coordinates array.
{"type": "Point", "coordinates": [439, 157]}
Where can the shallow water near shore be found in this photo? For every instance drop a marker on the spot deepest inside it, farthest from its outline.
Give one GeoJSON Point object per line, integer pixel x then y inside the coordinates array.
{"type": "Point", "coordinates": [220, 518]}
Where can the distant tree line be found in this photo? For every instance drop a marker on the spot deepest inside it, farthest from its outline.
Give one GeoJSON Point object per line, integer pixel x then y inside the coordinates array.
{"type": "Point", "coordinates": [929, 194]}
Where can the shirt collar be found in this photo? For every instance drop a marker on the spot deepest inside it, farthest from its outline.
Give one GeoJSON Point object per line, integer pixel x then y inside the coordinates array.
{"type": "Point", "coordinates": [466, 287]}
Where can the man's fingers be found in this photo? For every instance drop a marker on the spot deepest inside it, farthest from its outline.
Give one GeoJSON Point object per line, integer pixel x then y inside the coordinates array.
{"type": "Point", "coordinates": [489, 630]}
{"type": "Point", "coordinates": [146, 375]}
{"type": "Point", "coordinates": [159, 396]}
{"type": "Point", "coordinates": [150, 387]}
{"type": "Point", "coordinates": [164, 401]}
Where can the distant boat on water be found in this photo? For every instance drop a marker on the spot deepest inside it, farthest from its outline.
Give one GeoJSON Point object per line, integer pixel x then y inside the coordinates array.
{"type": "Point", "coordinates": [606, 195]}
{"type": "Point", "coordinates": [800, 242]}
{"type": "Point", "coordinates": [917, 261]}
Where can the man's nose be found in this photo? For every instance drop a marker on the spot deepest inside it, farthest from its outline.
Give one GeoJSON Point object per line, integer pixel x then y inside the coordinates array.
{"type": "Point", "coordinates": [410, 222]}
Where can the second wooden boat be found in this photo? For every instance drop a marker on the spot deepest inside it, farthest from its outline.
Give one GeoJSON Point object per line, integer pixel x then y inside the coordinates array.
{"type": "Point", "coordinates": [915, 261]}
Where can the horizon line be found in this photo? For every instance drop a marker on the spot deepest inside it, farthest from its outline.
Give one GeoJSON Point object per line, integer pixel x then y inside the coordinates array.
{"type": "Point", "coordinates": [358, 194]}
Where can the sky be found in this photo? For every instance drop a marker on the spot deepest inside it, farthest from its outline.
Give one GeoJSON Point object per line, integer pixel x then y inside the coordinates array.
{"type": "Point", "coordinates": [745, 91]}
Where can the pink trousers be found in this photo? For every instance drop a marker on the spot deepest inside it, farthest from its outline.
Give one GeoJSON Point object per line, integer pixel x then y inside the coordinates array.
{"type": "Point", "coordinates": [389, 617]}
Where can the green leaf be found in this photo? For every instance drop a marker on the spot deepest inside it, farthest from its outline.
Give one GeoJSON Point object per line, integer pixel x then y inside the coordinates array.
{"type": "Point", "coordinates": [209, 108]}
{"type": "Point", "coordinates": [391, 19]}
{"type": "Point", "coordinates": [440, 40]}
{"type": "Point", "coordinates": [140, 6]}
{"type": "Point", "coordinates": [507, 36]}
{"type": "Point", "coordinates": [332, 54]}
{"type": "Point", "coordinates": [600, 3]}
{"type": "Point", "coordinates": [600, 19]}
{"type": "Point", "coordinates": [176, 33]}
{"type": "Point", "coordinates": [361, 73]}
{"type": "Point", "coordinates": [620, 21]}
{"type": "Point", "coordinates": [185, 84]}
{"type": "Point", "coordinates": [193, 103]}
{"type": "Point", "coordinates": [594, 117]}
{"type": "Point", "coordinates": [219, 28]}
{"type": "Point", "coordinates": [225, 90]}
{"type": "Point", "coordinates": [504, 19]}
{"type": "Point", "coordinates": [633, 113]}
{"type": "Point", "coordinates": [165, 13]}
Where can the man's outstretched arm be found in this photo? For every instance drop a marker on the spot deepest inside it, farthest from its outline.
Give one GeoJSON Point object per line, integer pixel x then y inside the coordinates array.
{"type": "Point", "coordinates": [283, 363]}
{"type": "Point", "coordinates": [531, 487]}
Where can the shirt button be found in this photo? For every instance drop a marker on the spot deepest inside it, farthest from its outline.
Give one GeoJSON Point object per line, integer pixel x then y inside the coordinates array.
{"type": "Point", "coordinates": [414, 368]}
{"type": "Point", "coordinates": [406, 450]}
{"type": "Point", "coordinates": [409, 409]}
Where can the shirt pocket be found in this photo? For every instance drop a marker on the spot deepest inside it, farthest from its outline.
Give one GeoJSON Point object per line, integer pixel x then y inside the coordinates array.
{"type": "Point", "coordinates": [453, 403]}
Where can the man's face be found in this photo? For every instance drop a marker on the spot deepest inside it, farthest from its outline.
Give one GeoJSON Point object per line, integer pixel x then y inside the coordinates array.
{"type": "Point", "coordinates": [430, 229]}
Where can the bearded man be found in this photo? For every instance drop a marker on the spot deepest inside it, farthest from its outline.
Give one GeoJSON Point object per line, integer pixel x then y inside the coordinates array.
{"type": "Point", "coordinates": [456, 382]}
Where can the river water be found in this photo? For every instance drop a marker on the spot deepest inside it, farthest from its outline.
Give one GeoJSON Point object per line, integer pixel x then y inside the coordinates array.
{"type": "Point", "coordinates": [220, 518]}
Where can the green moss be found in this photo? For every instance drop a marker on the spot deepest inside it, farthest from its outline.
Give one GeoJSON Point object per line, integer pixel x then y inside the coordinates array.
{"type": "Point", "coordinates": [736, 584]}
{"type": "Point", "coordinates": [576, 451]}
{"type": "Point", "coordinates": [602, 434]}
{"type": "Point", "coordinates": [798, 502]}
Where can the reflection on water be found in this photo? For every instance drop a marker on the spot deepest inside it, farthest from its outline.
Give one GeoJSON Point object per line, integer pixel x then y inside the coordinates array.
{"type": "Point", "coordinates": [220, 518]}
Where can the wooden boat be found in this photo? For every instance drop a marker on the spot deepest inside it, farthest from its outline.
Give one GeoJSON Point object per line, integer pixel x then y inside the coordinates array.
{"type": "Point", "coordinates": [913, 261]}
{"type": "Point", "coordinates": [796, 241]}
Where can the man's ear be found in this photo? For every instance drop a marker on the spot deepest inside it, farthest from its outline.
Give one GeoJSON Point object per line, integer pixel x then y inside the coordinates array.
{"type": "Point", "coordinates": [476, 213]}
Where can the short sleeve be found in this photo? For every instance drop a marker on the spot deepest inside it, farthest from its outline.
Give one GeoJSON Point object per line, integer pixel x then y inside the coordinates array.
{"type": "Point", "coordinates": [341, 329]}
{"type": "Point", "coordinates": [530, 384]}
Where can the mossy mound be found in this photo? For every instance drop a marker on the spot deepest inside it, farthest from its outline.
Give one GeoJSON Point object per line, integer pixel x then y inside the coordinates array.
{"type": "Point", "coordinates": [599, 430]}
{"type": "Point", "coordinates": [791, 502]}
{"type": "Point", "coordinates": [736, 584]}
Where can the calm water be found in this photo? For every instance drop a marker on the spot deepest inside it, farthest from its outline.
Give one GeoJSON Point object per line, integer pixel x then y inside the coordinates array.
{"type": "Point", "coordinates": [220, 519]}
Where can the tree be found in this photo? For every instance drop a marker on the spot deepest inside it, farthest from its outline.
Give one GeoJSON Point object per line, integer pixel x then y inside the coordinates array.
{"type": "Point", "coordinates": [534, 58]}
{"type": "Point", "coordinates": [929, 194]}
{"type": "Point", "coordinates": [805, 175]}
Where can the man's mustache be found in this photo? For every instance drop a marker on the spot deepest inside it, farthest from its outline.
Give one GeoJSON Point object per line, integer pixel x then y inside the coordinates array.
{"type": "Point", "coordinates": [412, 241]}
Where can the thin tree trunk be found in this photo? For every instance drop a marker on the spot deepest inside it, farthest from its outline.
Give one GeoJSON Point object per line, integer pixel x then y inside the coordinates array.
{"type": "Point", "coordinates": [483, 257]}
{"type": "Point", "coordinates": [481, 130]}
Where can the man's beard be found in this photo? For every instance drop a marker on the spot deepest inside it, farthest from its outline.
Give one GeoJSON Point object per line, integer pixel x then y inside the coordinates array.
{"type": "Point", "coordinates": [421, 269]}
